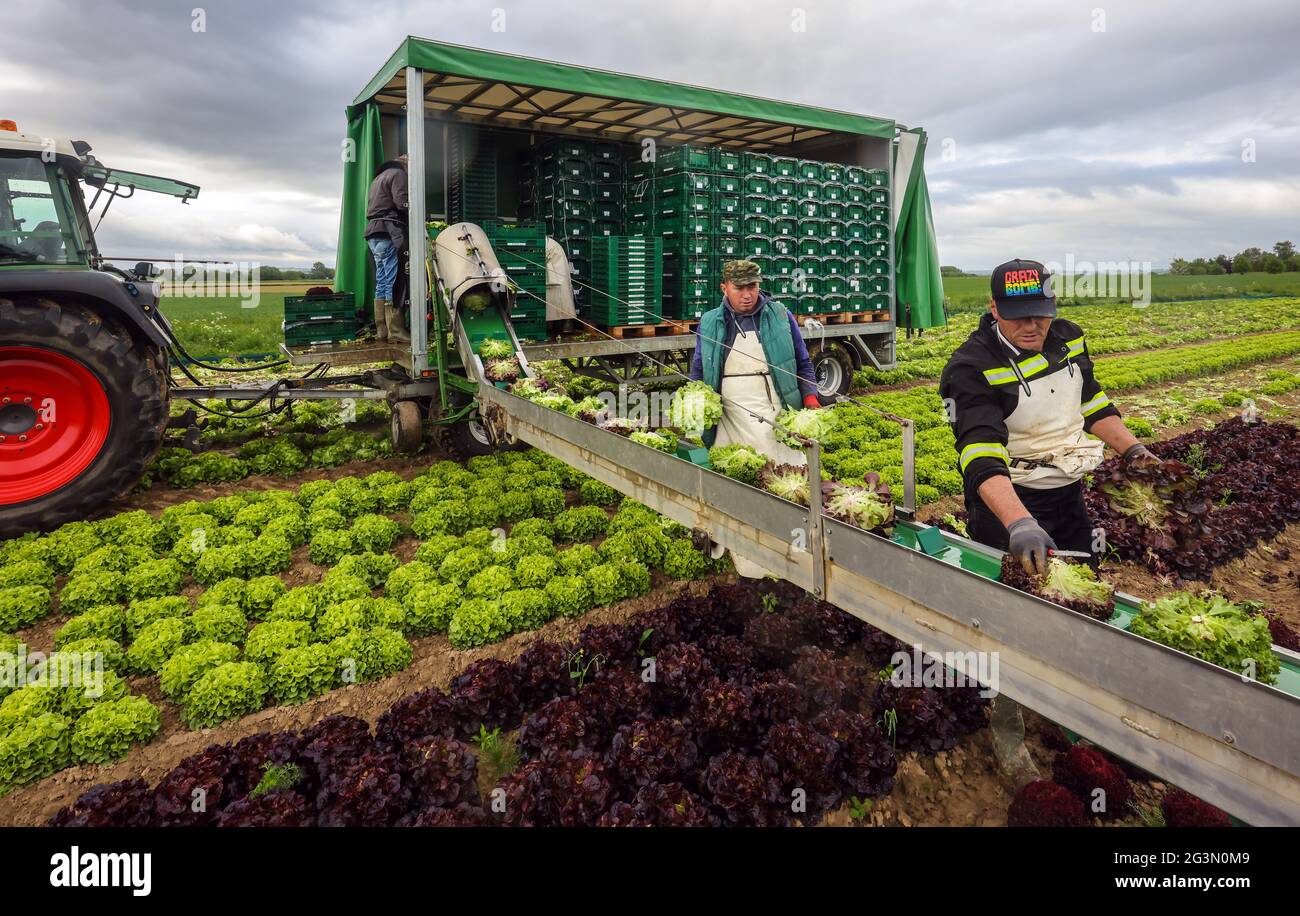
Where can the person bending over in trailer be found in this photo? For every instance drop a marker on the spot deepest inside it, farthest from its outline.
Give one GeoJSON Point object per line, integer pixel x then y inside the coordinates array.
{"type": "Point", "coordinates": [750, 351]}
{"type": "Point", "coordinates": [386, 211]}
{"type": "Point", "coordinates": [1030, 421]}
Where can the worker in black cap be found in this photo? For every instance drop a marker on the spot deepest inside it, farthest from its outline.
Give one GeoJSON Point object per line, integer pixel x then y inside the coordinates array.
{"type": "Point", "coordinates": [1030, 421]}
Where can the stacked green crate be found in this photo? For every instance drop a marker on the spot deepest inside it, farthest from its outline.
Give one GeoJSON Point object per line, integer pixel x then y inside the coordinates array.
{"type": "Point", "coordinates": [471, 176]}
{"type": "Point", "coordinates": [521, 251]}
{"type": "Point", "coordinates": [310, 320]}
{"type": "Point", "coordinates": [627, 276]}
{"type": "Point", "coordinates": [676, 200]}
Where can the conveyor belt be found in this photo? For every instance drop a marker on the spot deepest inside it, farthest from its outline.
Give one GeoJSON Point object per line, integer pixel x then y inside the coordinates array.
{"type": "Point", "coordinates": [1233, 742]}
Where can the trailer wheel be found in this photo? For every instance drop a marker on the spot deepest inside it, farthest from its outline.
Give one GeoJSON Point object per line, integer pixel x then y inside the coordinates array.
{"type": "Point", "coordinates": [83, 407]}
{"type": "Point", "coordinates": [834, 372]}
{"type": "Point", "coordinates": [407, 427]}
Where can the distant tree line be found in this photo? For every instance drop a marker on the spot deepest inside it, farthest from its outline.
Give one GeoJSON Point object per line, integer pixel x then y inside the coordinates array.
{"type": "Point", "coordinates": [1282, 258]}
{"type": "Point", "coordinates": [318, 271]}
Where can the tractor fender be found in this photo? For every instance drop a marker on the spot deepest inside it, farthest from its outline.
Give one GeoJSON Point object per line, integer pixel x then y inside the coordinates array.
{"type": "Point", "coordinates": [133, 304]}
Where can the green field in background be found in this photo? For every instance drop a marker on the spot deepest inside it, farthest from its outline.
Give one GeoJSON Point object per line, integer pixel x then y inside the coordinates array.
{"type": "Point", "coordinates": [217, 326]}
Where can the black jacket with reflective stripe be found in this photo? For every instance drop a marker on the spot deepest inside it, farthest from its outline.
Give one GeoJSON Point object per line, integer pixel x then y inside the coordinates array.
{"type": "Point", "coordinates": [984, 383]}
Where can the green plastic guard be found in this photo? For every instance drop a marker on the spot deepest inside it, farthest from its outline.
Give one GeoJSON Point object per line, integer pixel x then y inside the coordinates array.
{"type": "Point", "coordinates": [695, 454]}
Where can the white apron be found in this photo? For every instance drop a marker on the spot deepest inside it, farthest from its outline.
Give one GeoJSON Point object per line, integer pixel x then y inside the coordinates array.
{"type": "Point", "coordinates": [748, 388]}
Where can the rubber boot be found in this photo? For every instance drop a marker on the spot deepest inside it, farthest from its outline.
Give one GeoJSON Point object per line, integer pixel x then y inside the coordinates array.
{"type": "Point", "coordinates": [396, 324]}
{"type": "Point", "coordinates": [1007, 728]}
{"type": "Point", "coordinates": [381, 319]}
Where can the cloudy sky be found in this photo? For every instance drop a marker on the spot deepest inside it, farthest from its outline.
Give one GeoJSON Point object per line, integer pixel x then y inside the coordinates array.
{"type": "Point", "coordinates": [1144, 129]}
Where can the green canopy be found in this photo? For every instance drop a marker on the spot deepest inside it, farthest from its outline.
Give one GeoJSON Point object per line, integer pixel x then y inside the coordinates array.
{"type": "Point", "coordinates": [919, 284]}
{"type": "Point", "coordinates": [506, 91]}
{"type": "Point", "coordinates": [354, 271]}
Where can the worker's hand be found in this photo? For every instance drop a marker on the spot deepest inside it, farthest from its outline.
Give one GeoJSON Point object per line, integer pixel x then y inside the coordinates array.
{"type": "Point", "coordinates": [811, 402]}
{"type": "Point", "coordinates": [1029, 544]}
{"type": "Point", "coordinates": [1137, 453]}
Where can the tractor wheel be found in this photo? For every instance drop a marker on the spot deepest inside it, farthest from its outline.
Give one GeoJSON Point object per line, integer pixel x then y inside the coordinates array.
{"type": "Point", "coordinates": [408, 427]}
{"type": "Point", "coordinates": [83, 407]}
{"type": "Point", "coordinates": [833, 369]}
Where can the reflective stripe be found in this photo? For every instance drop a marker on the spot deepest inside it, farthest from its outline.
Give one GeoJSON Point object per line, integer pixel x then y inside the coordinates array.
{"type": "Point", "coordinates": [1075, 347]}
{"type": "Point", "coordinates": [999, 376]}
{"type": "Point", "coordinates": [1033, 365]}
{"type": "Point", "coordinates": [983, 450]}
{"type": "Point", "coordinates": [1096, 404]}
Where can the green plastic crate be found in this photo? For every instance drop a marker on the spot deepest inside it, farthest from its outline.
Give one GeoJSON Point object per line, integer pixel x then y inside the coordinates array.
{"type": "Point", "coordinates": [608, 152]}
{"type": "Point", "coordinates": [811, 228]}
{"type": "Point", "coordinates": [855, 174]}
{"type": "Point", "coordinates": [833, 229]}
{"type": "Point", "coordinates": [696, 245]}
{"type": "Point", "coordinates": [855, 230]}
{"type": "Point", "coordinates": [692, 222]}
{"type": "Point", "coordinates": [880, 302]}
{"type": "Point", "coordinates": [682, 183]}
{"type": "Point", "coordinates": [685, 158]}
{"type": "Point", "coordinates": [692, 308]}
{"type": "Point", "coordinates": [855, 193]}
{"type": "Point", "coordinates": [578, 246]}
{"type": "Point", "coordinates": [877, 178]}
{"type": "Point", "coordinates": [832, 264]}
{"type": "Point", "coordinates": [833, 209]}
{"type": "Point", "coordinates": [785, 206]}
{"type": "Point", "coordinates": [877, 267]}
{"type": "Point", "coordinates": [834, 247]}
{"type": "Point", "coordinates": [729, 246]}
{"type": "Point", "coordinates": [608, 192]}
{"type": "Point", "coordinates": [878, 196]}
{"type": "Point", "coordinates": [758, 225]}
{"type": "Point", "coordinates": [707, 267]}
{"type": "Point", "coordinates": [607, 209]}
{"type": "Point", "coordinates": [729, 162]}
{"type": "Point", "coordinates": [729, 223]}
{"type": "Point", "coordinates": [785, 187]}
{"type": "Point", "coordinates": [835, 285]}
{"type": "Point", "coordinates": [835, 301]}
{"type": "Point", "coordinates": [758, 245]}
{"type": "Point", "coordinates": [810, 189]}
{"type": "Point", "coordinates": [729, 204]}
{"type": "Point", "coordinates": [569, 187]}
{"type": "Point", "coordinates": [878, 214]}
{"type": "Point", "coordinates": [832, 190]}
{"type": "Point", "coordinates": [785, 246]}
{"type": "Point", "coordinates": [779, 285]}
{"type": "Point", "coordinates": [567, 169]}
{"type": "Point", "coordinates": [603, 228]}
{"type": "Point", "coordinates": [576, 228]}
{"type": "Point", "coordinates": [878, 250]}
{"type": "Point", "coordinates": [759, 184]}
{"type": "Point", "coordinates": [876, 284]}
{"type": "Point", "coordinates": [758, 164]}
{"type": "Point", "coordinates": [563, 208]}
{"type": "Point", "coordinates": [810, 209]}
{"type": "Point", "coordinates": [563, 148]}
{"type": "Point", "coordinates": [785, 167]}
{"type": "Point", "coordinates": [857, 248]}
{"type": "Point", "coordinates": [607, 170]}
{"type": "Point", "coordinates": [833, 171]}
{"type": "Point", "coordinates": [857, 302]}
{"type": "Point", "coordinates": [729, 182]}
{"type": "Point", "coordinates": [785, 226]}
{"type": "Point", "coordinates": [756, 205]}
{"type": "Point", "coordinates": [783, 266]}
{"type": "Point", "coordinates": [877, 232]}
{"type": "Point", "coordinates": [810, 170]}
{"type": "Point", "coordinates": [319, 320]}
{"type": "Point", "coordinates": [855, 266]}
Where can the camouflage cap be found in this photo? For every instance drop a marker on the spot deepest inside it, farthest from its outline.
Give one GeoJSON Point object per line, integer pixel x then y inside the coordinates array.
{"type": "Point", "coordinates": [741, 272]}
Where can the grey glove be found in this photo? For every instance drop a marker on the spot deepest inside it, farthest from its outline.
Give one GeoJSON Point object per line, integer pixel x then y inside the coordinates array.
{"type": "Point", "coordinates": [1138, 452]}
{"type": "Point", "coordinates": [1029, 544]}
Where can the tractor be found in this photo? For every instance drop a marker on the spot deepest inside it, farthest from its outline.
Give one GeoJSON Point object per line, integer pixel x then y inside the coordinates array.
{"type": "Point", "coordinates": [84, 382]}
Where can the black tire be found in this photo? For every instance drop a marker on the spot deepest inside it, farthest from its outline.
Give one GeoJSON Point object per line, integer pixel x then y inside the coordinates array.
{"type": "Point", "coordinates": [134, 378]}
{"type": "Point", "coordinates": [833, 367]}
{"type": "Point", "coordinates": [407, 427]}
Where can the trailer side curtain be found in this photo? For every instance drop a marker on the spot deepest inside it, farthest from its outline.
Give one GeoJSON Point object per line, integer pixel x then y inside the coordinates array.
{"type": "Point", "coordinates": [919, 284]}
{"type": "Point", "coordinates": [354, 268]}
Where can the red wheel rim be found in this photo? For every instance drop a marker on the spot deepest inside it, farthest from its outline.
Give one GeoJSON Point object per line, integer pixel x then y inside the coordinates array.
{"type": "Point", "coordinates": [54, 420]}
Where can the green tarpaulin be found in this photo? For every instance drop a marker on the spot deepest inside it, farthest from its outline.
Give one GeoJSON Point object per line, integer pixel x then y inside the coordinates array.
{"type": "Point", "coordinates": [919, 284]}
{"type": "Point", "coordinates": [354, 269]}
{"type": "Point", "coordinates": [486, 85]}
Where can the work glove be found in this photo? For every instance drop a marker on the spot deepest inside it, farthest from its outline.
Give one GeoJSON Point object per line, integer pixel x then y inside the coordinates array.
{"type": "Point", "coordinates": [1029, 544]}
{"type": "Point", "coordinates": [811, 402]}
{"type": "Point", "coordinates": [1137, 453]}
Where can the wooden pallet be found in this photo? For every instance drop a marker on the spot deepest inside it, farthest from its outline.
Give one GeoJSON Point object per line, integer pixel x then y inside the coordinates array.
{"type": "Point", "coordinates": [634, 331]}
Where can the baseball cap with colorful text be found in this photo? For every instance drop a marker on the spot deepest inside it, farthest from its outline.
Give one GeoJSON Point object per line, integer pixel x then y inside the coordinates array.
{"type": "Point", "coordinates": [1023, 289]}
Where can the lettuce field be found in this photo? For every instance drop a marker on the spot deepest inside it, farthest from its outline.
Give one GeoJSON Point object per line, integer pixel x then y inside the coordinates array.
{"type": "Point", "coordinates": [308, 629]}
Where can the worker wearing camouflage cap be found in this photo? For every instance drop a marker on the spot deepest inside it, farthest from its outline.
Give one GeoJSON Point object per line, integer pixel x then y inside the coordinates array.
{"type": "Point", "coordinates": [750, 351]}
